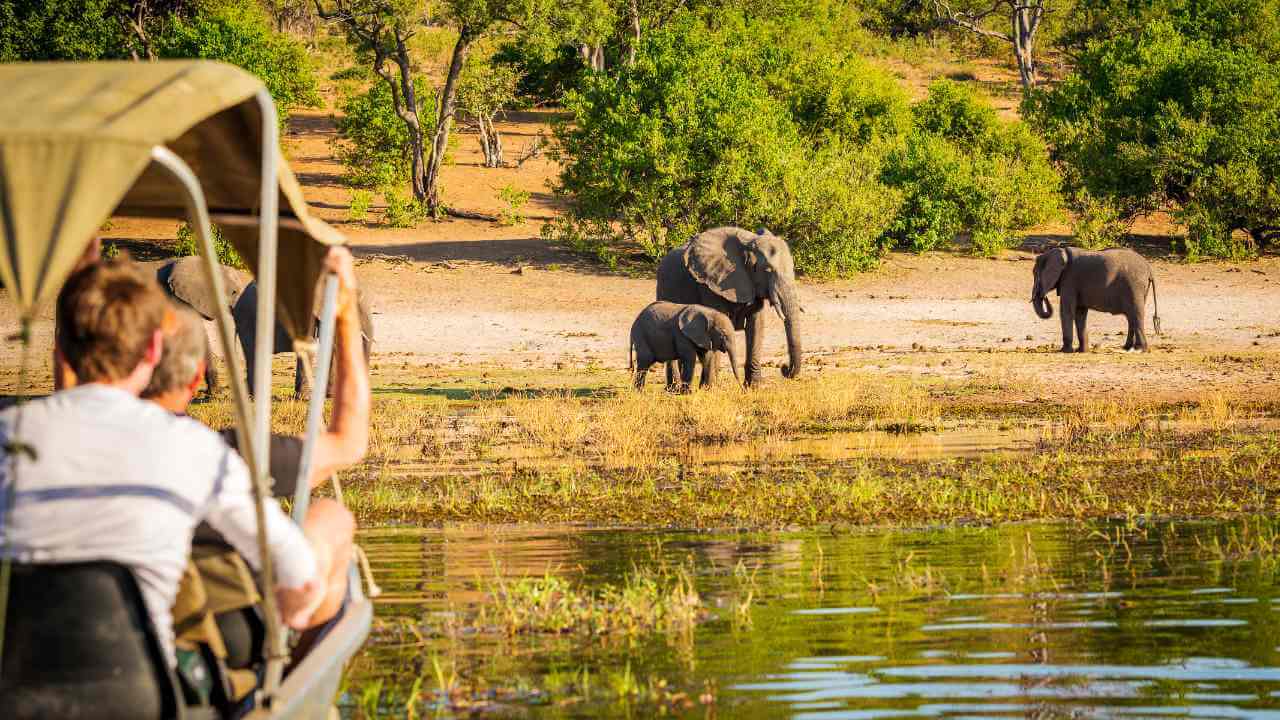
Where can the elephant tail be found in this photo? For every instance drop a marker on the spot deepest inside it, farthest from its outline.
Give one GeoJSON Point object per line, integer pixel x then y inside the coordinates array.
{"type": "Point", "coordinates": [631, 354]}
{"type": "Point", "coordinates": [1155, 303]}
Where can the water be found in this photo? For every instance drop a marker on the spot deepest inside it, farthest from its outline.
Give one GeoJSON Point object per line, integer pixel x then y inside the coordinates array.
{"type": "Point", "coordinates": [1174, 619]}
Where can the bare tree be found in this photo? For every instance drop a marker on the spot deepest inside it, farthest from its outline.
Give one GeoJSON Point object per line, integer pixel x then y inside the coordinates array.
{"type": "Point", "coordinates": [381, 29]}
{"type": "Point", "coordinates": [1024, 18]}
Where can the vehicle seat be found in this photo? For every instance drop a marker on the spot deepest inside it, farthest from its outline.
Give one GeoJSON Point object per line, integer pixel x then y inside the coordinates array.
{"type": "Point", "coordinates": [79, 644]}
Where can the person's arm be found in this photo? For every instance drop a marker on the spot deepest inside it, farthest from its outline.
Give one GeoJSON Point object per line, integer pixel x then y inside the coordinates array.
{"type": "Point", "coordinates": [346, 440]}
{"type": "Point", "coordinates": [300, 572]}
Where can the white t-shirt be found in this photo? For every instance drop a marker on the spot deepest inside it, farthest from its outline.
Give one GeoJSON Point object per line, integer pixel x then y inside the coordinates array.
{"type": "Point", "coordinates": [118, 478]}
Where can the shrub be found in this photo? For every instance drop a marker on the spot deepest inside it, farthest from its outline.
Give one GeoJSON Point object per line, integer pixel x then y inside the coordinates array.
{"type": "Point", "coordinates": [239, 32]}
{"type": "Point", "coordinates": [545, 74]}
{"type": "Point", "coordinates": [402, 210]}
{"type": "Point", "coordinates": [358, 211]}
{"type": "Point", "coordinates": [515, 200]}
{"type": "Point", "coordinates": [376, 148]}
{"type": "Point", "coordinates": [716, 127]}
{"type": "Point", "coordinates": [186, 243]}
{"type": "Point", "coordinates": [62, 30]}
{"type": "Point", "coordinates": [1097, 224]}
{"type": "Point", "coordinates": [963, 170]}
{"type": "Point", "coordinates": [1163, 121]}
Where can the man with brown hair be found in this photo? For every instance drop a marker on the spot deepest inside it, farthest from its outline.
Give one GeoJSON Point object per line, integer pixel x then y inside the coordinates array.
{"type": "Point", "coordinates": [98, 474]}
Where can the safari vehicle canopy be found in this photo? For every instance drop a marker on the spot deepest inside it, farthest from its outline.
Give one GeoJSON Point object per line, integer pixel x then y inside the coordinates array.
{"type": "Point", "coordinates": [82, 142]}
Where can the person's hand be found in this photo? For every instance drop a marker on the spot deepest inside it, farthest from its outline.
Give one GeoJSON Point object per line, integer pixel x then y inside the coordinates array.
{"type": "Point", "coordinates": [297, 605]}
{"type": "Point", "coordinates": [340, 262]}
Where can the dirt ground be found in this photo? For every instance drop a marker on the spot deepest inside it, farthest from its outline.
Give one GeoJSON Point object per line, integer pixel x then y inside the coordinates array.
{"type": "Point", "coordinates": [467, 293]}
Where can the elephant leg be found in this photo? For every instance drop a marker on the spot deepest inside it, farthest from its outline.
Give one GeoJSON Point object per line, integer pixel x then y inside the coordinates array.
{"type": "Point", "coordinates": [1139, 333]}
{"type": "Point", "coordinates": [1067, 313]}
{"type": "Point", "coordinates": [708, 360]}
{"type": "Point", "coordinates": [1128, 337]}
{"type": "Point", "coordinates": [247, 344]}
{"type": "Point", "coordinates": [299, 378]}
{"type": "Point", "coordinates": [210, 378]}
{"type": "Point", "coordinates": [642, 372]}
{"type": "Point", "coordinates": [755, 347]}
{"type": "Point", "coordinates": [688, 357]}
{"type": "Point", "coordinates": [1082, 327]}
{"type": "Point", "coordinates": [671, 375]}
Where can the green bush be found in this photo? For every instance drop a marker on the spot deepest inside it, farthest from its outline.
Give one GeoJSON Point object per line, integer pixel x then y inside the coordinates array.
{"type": "Point", "coordinates": [1097, 224]}
{"type": "Point", "coordinates": [714, 127]}
{"type": "Point", "coordinates": [358, 210]}
{"type": "Point", "coordinates": [1162, 121]}
{"type": "Point", "coordinates": [63, 30]}
{"type": "Point", "coordinates": [186, 243]}
{"type": "Point", "coordinates": [962, 170]}
{"type": "Point", "coordinates": [376, 148]}
{"type": "Point", "coordinates": [238, 32]}
{"type": "Point", "coordinates": [402, 211]}
{"type": "Point", "coordinates": [545, 74]}
{"type": "Point", "coordinates": [515, 199]}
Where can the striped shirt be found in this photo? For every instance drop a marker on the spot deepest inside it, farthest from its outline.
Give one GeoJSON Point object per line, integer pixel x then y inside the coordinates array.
{"type": "Point", "coordinates": [112, 477]}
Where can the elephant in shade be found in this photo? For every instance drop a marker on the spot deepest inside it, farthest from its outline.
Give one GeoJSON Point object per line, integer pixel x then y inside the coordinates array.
{"type": "Point", "coordinates": [734, 271]}
{"type": "Point", "coordinates": [183, 279]}
{"type": "Point", "coordinates": [689, 334]}
{"type": "Point", "coordinates": [1112, 281]}
{"type": "Point", "coordinates": [245, 313]}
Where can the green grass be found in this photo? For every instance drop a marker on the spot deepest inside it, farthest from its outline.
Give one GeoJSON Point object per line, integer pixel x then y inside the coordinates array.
{"type": "Point", "coordinates": [610, 456]}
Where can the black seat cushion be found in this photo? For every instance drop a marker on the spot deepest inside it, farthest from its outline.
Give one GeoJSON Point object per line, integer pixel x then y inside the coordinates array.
{"type": "Point", "coordinates": [79, 644]}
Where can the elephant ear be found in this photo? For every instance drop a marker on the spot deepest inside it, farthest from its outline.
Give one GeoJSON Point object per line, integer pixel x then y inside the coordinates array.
{"type": "Point", "coordinates": [1055, 261]}
{"type": "Point", "coordinates": [693, 324]}
{"type": "Point", "coordinates": [717, 258]}
{"type": "Point", "coordinates": [185, 281]}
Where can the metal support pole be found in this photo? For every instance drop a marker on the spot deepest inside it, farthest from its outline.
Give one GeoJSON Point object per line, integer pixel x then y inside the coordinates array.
{"type": "Point", "coordinates": [268, 219]}
{"type": "Point", "coordinates": [319, 388]}
{"type": "Point", "coordinates": [250, 449]}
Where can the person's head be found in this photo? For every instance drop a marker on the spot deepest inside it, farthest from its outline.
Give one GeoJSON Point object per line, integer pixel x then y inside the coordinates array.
{"type": "Point", "coordinates": [182, 364]}
{"type": "Point", "coordinates": [111, 319]}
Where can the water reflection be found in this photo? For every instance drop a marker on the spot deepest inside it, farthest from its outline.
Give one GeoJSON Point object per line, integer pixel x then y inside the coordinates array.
{"type": "Point", "coordinates": [1044, 620]}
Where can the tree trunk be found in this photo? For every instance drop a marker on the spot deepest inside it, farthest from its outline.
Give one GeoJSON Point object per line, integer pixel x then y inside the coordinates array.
{"type": "Point", "coordinates": [635, 33]}
{"type": "Point", "coordinates": [444, 120]}
{"type": "Point", "coordinates": [597, 58]}
{"type": "Point", "coordinates": [405, 97]}
{"type": "Point", "coordinates": [490, 143]}
{"type": "Point", "coordinates": [1026, 21]}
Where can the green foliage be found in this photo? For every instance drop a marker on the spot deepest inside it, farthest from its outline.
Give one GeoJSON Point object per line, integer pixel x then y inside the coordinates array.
{"type": "Point", "coordinates": [358, 211]}
{"type": "Point", "coordinates": [1097, 224]}
{"type": "Point", "coordinates": [545, 73]}
{"type": "Point", "coordinates": [186, 243]}
{"type": "Point", "coordinates": [1162, 121]}
{"type": "Point", "coordinates": [63, 30]}
{"type": "Point", "coordinates": [963, 170]}
{"type": "Point", "coordinates": [239, 32]}
{"type": "Point", "coordinates": [402, 210]}
{"type": "Point", "coordinates": [515, 199]}
{"type": "Point", "coordinates": [486, 88]}
{"type": "Point", "coordinates": [713, 127]}
{"type": "Point", "coordinates": [377, 148]}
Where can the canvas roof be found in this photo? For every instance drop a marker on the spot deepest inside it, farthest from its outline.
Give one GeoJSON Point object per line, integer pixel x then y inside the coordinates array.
{"type": "Point", "coordinates": [75, 149]}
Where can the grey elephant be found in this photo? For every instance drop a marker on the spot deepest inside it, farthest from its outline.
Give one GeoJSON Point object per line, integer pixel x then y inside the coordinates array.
{"type": "Point", "coordinates": [245, 314]}
{"type": "Point", "coordinates": [1111, 281]}
{"type": "Point", "coordinates": [734, 271]}
{"type": "Point", "coordinates": [183, 279]}
{"type": "Point", "coordinates": [687, 334]}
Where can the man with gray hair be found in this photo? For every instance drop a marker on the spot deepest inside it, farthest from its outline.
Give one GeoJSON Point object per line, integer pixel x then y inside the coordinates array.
{"type": "Point", "coordinates": [177, 379]}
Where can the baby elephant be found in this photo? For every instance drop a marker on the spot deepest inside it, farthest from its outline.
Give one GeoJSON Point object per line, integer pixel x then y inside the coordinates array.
{"type": "Point", "coordinates": [666, 331]}
{"type": "Point", "coordinates": [1112, 281]}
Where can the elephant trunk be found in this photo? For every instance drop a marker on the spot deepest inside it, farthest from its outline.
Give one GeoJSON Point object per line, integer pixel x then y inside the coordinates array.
{"type": "Point", "coordinates": [1041, 304]}
{"type": "Point", "coordinates": [731, 347]}
{"type": "Point", "coordinates": [787, 304]}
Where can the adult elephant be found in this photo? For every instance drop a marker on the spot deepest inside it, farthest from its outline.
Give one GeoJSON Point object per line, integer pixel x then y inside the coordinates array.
{"type": "Point", "coordinates": [245, 314]}
{"type": "Point", "coordinates": [734, 271]}
{"type": "Point", "coordinates": [183, 279]}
